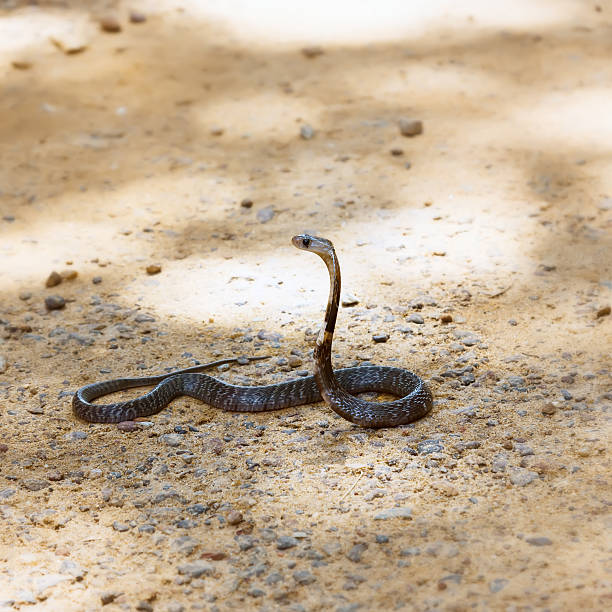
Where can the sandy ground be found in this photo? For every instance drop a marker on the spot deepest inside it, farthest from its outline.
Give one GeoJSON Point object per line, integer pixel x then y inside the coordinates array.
{"type": "Point", "coordinates": [123, 150]}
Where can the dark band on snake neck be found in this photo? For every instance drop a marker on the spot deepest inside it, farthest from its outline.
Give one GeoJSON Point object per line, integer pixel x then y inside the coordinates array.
{"type": "Point", "coordinates": [336, 388]}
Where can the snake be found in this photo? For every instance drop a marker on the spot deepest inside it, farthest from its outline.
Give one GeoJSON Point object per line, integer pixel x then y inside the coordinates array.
{"type": "Point", "coordinates": [338, 388]}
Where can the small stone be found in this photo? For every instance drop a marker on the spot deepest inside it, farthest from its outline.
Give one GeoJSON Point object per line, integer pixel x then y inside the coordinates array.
{"type": "Point", "coordinates": [446, 318]}
{"type": "Point", "coordinates": [54, 476]}
{"type": "Point", "coordinates": [96, 280]}
{"type": "Point", "coordinates": [521, 477]}
{"type": "Point", "coordinates": [382, 539]}
{"type": "Point", "coordinates": [73, 569]}
{"type": "Point", "coordinates": [294, 361]}
{"type": "Point", "coordinates": [109, 596]}
{"type": "Point", "coordinates": [312, 51]}
{"type": "Point", "coordinates": [604, 311]}
{"type": "Point", "coordinates": [144, 606]}
{"type": "Point", "coordinates": [285, 542]}
{"type": "Point", "coordinates": [3, 448]}
{"type": "Point", "coordinates": [307, 132]}
{"type": "Point", "coordinates": [69, 274]}
{"type": "Point", "coordinates": [396, 152]}
{"type": "Point", "coordinates": [566, 394]}
{"type": "Point", "coordinates": [524, 450]}
{"type": "Point", "coordinates": [549, 409]}
{"type": "Point", "coordinates": [7, 493]}
{"type": "Point", "coordinates": [24, 296]}
{"type": "Point", "coordinates": [349, 300]}
{"type": "Point", "coordinates": [303, 577]}
{"type": "Point", "coordinates": [55, 302]}
{"type": "Point", "coordinates": [356, 552]}
{"type": "Point", "coordinates": [265, 214]}
{"type": "Point", "coordinates": [426, 447]}
{"type": "Point", "coordinates": [391, 513]}
{"type": "Point", "coordinates": [117, 526]}
{"type": "Point", "coordinates": [172, 439]}
{"type": "Point", "coordinates": [21, 64]}
{"type": "Point", "coordinates": [110, 23]}
{"type": "Point", "coordinates": [410, 127]}
{"type": "Point", "coordinates": [73, 436]}
{"type": "Point", "coordinates": [539, 541]}
{"type": "Point", "coordinates": [246, 203]}
{"type": "Point", "coordinates": [495, 586]}
{"type": "Point", "coordinates": [234, 517]}
{"type": "Point", "coordinates": [197, 569]}
{"type": "Point", "coordinates": [153, 269]}
{"type": "Point", "coordinates": [137, 17]}
{"type": "Point", "coordinates": [379, 338]}
{"type": "Point", "coordinates": [53, 279]}
{"type": "Point", "coordinates": [128, 426]}
{"type": "Point", "coordinates": [3, 364]}
{"type": "Point", "coordinates": [415, 318]}
{"type": "Point", "coordinates": [35, 484]}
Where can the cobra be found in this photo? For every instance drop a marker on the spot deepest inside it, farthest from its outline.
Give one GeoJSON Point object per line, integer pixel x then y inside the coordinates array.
{"type": "Point", "coordinates": [337, 388]}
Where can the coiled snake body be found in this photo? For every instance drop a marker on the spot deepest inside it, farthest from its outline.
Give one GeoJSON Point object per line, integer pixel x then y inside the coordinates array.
{"type": "Point", "coordinates": [336, 388]}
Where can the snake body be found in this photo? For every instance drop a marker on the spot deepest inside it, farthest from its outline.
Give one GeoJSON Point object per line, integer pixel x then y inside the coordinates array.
{"type": "Point", "coordinates": [336, 388]}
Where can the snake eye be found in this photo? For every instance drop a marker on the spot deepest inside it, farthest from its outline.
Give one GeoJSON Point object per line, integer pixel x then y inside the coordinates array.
{"type": "Point", "coordinates": [306, 242]}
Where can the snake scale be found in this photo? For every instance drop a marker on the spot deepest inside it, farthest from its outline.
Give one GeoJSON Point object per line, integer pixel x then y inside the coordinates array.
{"type": "Point", "coordinates": [337, 388]}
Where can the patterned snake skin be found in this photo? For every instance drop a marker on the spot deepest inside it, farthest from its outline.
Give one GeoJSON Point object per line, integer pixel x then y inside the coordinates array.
{"type": "Point", "coordinates": [336, 388]}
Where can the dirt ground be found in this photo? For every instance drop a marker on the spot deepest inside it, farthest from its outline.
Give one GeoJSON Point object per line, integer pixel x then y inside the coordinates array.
{"type": "Point", "coordinates": [199, 138]}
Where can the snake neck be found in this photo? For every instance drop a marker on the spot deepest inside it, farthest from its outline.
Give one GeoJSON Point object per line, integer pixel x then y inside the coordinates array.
{"type": "Point", "coordinates": [322, 352]}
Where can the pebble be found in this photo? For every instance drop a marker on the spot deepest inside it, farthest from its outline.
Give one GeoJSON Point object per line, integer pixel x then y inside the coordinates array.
{"type": "Point", "coordinates": [379, 338]}
{"type": "Point", "coordinates": [35, 484]}
{"type": "Point", "coordinates": [172, 439]}
{"type": "Point", "coordinates": [307, 132]}
{"type": "Point", "coordinates": [234, 517]}
{"type": "Point", "coordinates": [265, 214]}
{"type": "Point", "coordinates": [521, 477]}
{"type": "Point", "coordinates": [539, 541]}
{"type": "Point", "coordinates": [153, 269]}
{"type": "Point", "coordinates": [117, 526]}
{"type": "Point", "coordinates": [74, 569]}
{"type": "Point", "coordinates": [69, 274]}
{"type": "Point", "coordinates": [410, 127]}
{"type": "Point", "coordinates": [604, 311]}
{"type": "Point", "coordinates": [144, 606]}
{"type": "Point", "coordinates": [312, 51]}
{"type": "Point", "coordinates": [3, 364]}
{"type": "Point", "coordinates": [285, 542]}
{"type": "Point", "coordinates": [396, 152]}
{"type": "Point", "coordinates": [24, 296]}
{"type": "Point", "coordinates": [495, 586]}
{"type": "Point", "coordinates": [110, 23]}
{"type": "Point", "coordinates": [294, 361]}
{"type": "Point", "coordinates": [303, 577]}
{"type": "Point", "coordinates": [6, 493]}
{"type": "Point", "coordinates": [549, 409]}
{"type": "Point", "coordinates": [246, 203]}
{"type": "Point", "coordinates": [73, 436]}
{"type": "Point", "coordinates": [349, 300]}
{"type": "Point", "coordinates": [53, 279]}
{"type": "Point", "coordinates": [137, 17]}
{"type": "Point", "coordinates": [356, 552]}
{"type": "Point", "coordinates": [109, 596]}
{"type": "Point", "coordinates": [430, 446]}
{"type": "Point", "coordinates": [55, 302]}
{"type": "Point", "coordinates": [446, 318]}
{"type": "Point", "coordinates": [391, 513]}
{"type": "Point", "coordinates": [566, 394]}
{"type": "Point", "coordinates": [416, 318]}
{"type": "Point", "coordinates": [196, 569]}
{"type": "Point", "coordinates": [128, 426]}
{"type": "Point", "coordinates": [96, 280]}
{"type": "Point", "coordinates": [382, 539]}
